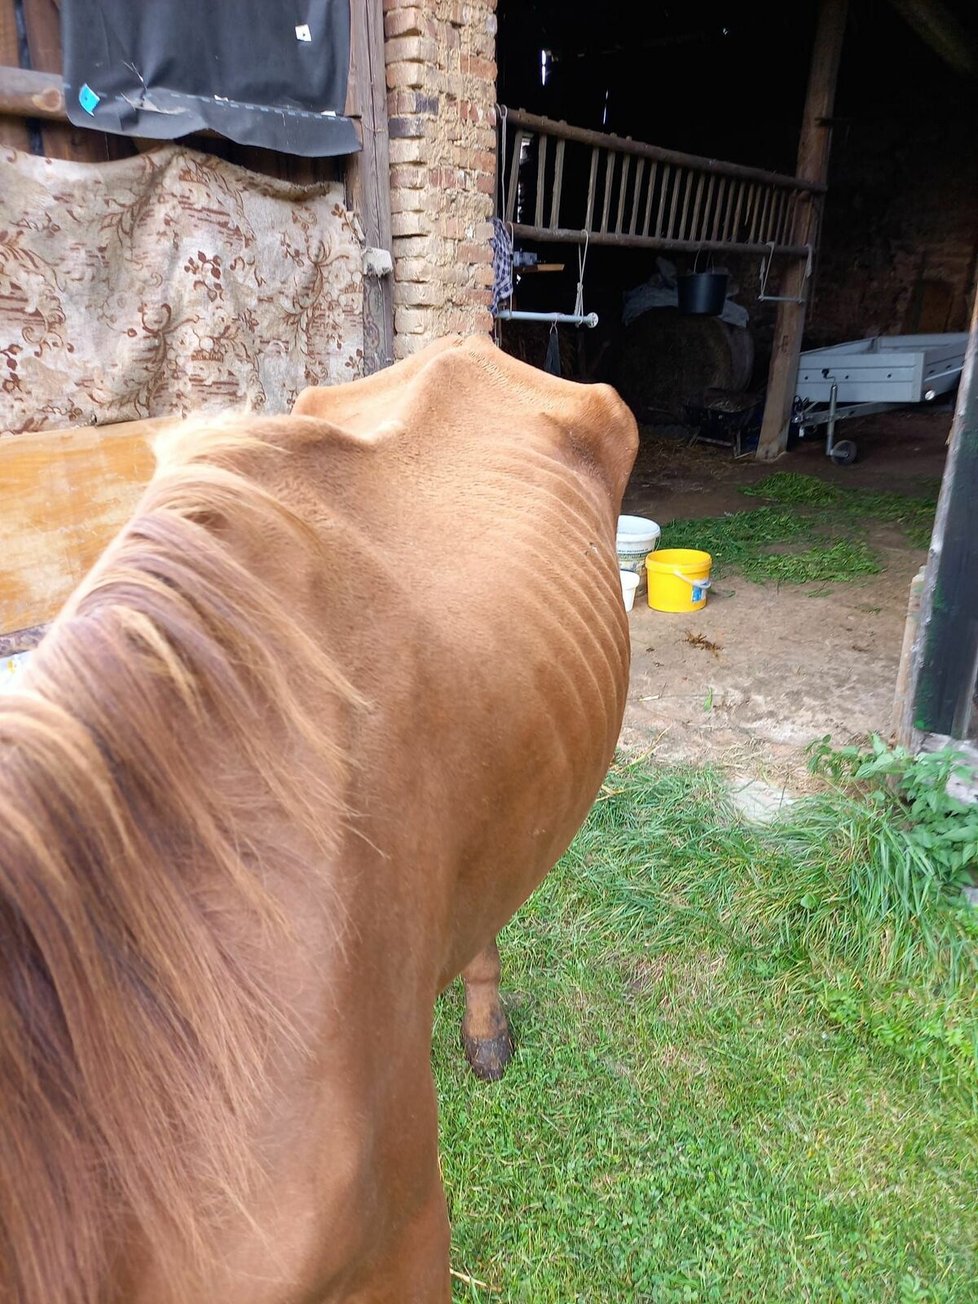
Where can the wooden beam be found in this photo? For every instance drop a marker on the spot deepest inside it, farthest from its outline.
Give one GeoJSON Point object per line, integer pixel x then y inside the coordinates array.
{"type": "Point", "coordinates": [813, 166]}
{"type": "Point", "coordinates": [568, 235]}
{"type": "Point", "coordinates": [27, 94]}
{"type": "Point", "coordinates": [532, 122]}
{"type": "Point", "coordinates": [368, 180]}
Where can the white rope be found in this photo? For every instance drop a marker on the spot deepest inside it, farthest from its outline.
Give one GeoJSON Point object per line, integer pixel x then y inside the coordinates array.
{"type": "Point", "coordinates": [581, 263]}
{"type": "Point", "coordinates": [501, 114]}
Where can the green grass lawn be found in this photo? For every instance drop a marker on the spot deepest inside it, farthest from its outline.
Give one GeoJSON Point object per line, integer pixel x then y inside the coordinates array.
{"type": "Point", "coordinates": [733, 1082]}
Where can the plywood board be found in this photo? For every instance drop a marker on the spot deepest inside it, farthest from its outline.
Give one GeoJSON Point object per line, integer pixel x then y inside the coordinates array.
{"type": "Point", "coordinates": [63, 495]}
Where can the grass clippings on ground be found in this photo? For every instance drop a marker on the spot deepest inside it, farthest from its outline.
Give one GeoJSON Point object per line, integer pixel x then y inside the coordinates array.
{"type": "Point", "coordinates": [915, 515]}
{"type": "Point", "coordinates": [737, 539]}
{"type": "Point", "coordinates": [729, 1085]}
{"type": "Point", "coordinates": [766, 543]}
{"type": "Point", "coordinates": [844, 560]}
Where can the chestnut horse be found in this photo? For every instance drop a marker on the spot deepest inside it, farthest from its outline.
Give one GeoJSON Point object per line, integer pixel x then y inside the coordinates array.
{"type": "Point", "coordinates": [325, 712]}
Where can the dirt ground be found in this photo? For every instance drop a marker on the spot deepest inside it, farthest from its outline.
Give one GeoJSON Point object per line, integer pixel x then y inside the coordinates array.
{"type": "Point", "coordinates": [792, 663]}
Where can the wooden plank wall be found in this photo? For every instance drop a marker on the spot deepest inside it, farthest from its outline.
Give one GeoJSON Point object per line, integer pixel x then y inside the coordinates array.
{"type": "Point", "coordinates": [61, 139]}
{"type": "Point", "coordinates": [13, 132]}
{"type": "Point", "coordinates": [43, 54]}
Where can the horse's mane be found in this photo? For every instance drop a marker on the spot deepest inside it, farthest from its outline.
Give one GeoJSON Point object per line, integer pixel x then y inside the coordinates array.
{"type": "Point", "coordinates": [134, 1021]}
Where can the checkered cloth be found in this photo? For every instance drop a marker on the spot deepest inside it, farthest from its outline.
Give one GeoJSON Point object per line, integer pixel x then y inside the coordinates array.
{"type": "Point", "coordinates": [502, 264]}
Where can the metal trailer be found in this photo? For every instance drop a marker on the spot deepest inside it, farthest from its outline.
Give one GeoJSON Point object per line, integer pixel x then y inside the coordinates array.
{"type": "Point", "coordinates": [872, 375]}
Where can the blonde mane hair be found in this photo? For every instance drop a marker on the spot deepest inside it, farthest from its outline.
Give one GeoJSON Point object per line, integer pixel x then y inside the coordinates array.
{"type": "Point", "coordinates": [136, 1022]}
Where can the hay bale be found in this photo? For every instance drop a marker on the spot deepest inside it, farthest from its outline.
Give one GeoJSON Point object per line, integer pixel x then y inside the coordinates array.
{"type": "Point", "coordinates": [668, 360]}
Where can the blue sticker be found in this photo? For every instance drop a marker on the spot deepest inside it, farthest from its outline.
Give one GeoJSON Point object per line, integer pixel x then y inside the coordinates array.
{"type": "Point", "coordinates": [88, 99]}
{"type": "Point", "coordinates": [697, 593]}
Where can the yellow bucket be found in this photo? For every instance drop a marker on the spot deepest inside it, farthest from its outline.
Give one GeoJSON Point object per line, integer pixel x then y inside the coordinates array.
{"type": "Point", "coordinates": [678, 579]}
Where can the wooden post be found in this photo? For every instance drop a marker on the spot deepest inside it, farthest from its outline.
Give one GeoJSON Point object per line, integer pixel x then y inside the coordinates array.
{"type": "Point", "coordinates": [368, 180]}
{"type": "Point", "coordinates": [945, 658]}
{"type": "Point", "coordinates": [813, 165]}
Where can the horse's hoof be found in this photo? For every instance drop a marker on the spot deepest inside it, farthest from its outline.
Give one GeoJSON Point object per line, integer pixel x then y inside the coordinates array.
{"type": "Point", "coordinates": [488, 1056]}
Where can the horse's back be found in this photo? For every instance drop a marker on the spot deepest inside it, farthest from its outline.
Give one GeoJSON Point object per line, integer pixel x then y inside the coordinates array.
{"type": "Point", "coordinates": [404, 605]}
{"type": "Point", "coordinates": [480, 610]}
{"type": "Point", "coordinates": [467, 504]}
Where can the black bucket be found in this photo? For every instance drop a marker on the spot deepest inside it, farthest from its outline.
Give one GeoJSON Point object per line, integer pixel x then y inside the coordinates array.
{"type": "Point", "coordinates": [702, 294]}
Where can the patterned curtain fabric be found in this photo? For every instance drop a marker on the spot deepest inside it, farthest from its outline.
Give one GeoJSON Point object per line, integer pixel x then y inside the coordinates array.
{"type": "Point", "coordinates": [168, 283]}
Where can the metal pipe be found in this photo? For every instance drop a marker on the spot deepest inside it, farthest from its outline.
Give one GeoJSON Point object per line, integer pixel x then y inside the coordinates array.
{"type": "Point", "coordinates": [564, 318]}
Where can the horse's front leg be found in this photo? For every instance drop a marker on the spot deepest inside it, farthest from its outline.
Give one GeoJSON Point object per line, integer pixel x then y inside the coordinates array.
{"type": "Point", "coordinates": [485, 1032]}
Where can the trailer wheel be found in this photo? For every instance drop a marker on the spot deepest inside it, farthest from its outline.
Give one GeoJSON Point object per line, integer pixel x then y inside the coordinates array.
{"type": "Point", "coordinates": [843, 453]}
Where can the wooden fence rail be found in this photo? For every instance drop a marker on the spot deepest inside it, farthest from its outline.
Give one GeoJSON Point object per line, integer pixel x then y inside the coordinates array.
{"type": "Point", "coordinates": [578, 184]}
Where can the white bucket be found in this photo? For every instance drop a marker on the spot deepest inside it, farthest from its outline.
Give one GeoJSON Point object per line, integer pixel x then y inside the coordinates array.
{"type": "Point", "coordinates": [11, 669]}
{"type": "Point", "coordinates": [629, 585]}
{"type": "Point", "coordinates": [635, 538]}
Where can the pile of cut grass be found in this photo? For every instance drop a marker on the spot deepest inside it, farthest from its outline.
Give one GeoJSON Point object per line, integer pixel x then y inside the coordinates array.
{"type": "Point", "coordinates": [734, 1080]}
{"type": "Point", "coordinates": [736, 541]}
{"type": "Point", "coordinates": [844, 560]}
{"type": "Point", "coordinates": [764, 544]}
{"type": "Point", "coordinates": [915, 515]}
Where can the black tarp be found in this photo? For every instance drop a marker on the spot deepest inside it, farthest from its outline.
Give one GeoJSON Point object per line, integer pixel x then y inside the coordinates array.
{"type": "Point", "coordinates": [261, 72]}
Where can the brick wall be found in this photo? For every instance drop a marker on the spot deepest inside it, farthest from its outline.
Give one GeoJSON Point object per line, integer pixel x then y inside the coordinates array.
{"type": "Point", "coordinates": [441, 88]}
{"type": "Point", "coordinates": [900, 233]}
